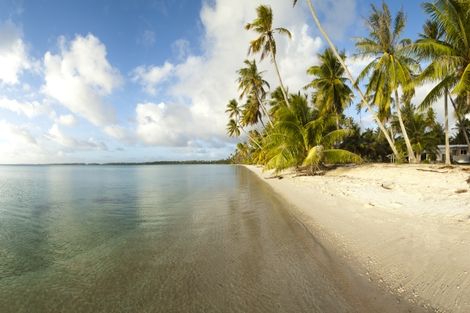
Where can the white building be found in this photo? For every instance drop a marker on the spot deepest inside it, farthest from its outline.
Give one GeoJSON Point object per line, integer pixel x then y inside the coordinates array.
{"type": "Point", "coordinates": [458, 153]}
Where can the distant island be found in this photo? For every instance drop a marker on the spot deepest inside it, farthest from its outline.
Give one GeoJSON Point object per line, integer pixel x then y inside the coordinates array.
{"type": "Point", "coordinates": [195, 162]}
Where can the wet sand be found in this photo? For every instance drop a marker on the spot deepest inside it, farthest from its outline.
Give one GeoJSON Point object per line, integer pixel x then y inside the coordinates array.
{"type": "Point", "coordinates": [404, 228]}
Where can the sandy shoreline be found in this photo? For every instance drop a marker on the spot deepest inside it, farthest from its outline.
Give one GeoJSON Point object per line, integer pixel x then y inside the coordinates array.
{"type": "Point", "coordinates": [406, 227]}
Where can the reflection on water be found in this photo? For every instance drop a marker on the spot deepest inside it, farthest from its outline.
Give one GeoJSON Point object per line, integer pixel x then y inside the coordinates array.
{"type": "Point", "coordinates": [156, 239]}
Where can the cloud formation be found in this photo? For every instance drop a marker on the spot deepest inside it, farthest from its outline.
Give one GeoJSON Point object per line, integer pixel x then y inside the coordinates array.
{"type": "Point", "coordinates": [57, 135]}
{"type": "Point", "coordinates": [162, 124]}
{"type": "Point", "coordinates": [80, 77]}
{"type": "Point", "coordinates": [29, 109]}
{"type": "Point", "coordinates": [149, 77]}
{"type": "Point", "coordinates": [14, 59]}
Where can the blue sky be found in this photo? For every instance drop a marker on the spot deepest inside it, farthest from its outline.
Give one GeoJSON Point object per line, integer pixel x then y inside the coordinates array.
{"type": "Point", "coordinates": [115, 80]}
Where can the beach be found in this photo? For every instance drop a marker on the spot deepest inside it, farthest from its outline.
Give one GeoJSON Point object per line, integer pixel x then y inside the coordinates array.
{"type": "Point", "coordinates": [404, 227]}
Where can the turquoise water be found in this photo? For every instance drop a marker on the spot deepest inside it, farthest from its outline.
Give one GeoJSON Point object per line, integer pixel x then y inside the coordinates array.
{"type": "Point", "coordinates": [158, 239]}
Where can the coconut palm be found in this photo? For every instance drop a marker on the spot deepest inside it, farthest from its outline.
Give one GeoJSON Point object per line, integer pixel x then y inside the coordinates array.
{"type": "Point", "coordinates": [251, 112]}
{"type": "Point", "coordinates": [302, 137]}
{"type": "Point", "coordinates": [433, 31]}
{"type": "Point", "coordinates": [424, 132]}
{"type": "Point", "coordinates": [392, 65]}
{"type": "Point", "coordinates": [251, 82]}
{"type": "Point", "coordinates": [461, 109]}
{"type": "Point", "coordinates": [235, 123]}
{"type": "Point", "coordinates": [276, 101]}
{"type": "Point", "coordinates": [449, 54]}
{"type": "Point", "coordinates": [265, 43]}
{"type": "Point", "coordinates": [462, 128]}
{"type": "Point", "coordinates": [331, 93]}
{"type": "Point", "coordinates": [233, 126]}
{"type": "Point", "coordinates": [364, 101]}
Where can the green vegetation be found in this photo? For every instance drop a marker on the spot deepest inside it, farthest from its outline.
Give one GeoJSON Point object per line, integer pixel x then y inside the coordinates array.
{"type": "Point", "coordinates": [309, 131]}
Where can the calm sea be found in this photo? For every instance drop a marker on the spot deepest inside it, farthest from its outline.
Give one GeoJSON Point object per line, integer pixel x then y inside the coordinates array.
{"type": "Point", "coordinates": [167, 238]}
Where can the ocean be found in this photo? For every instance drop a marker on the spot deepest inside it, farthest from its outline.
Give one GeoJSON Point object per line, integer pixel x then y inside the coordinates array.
{"type": "Point", "coordinates": [158, 238]}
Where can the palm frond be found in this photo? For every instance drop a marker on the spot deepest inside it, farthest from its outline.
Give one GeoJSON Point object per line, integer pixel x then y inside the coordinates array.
{"type": "Point", "coordinates": [463, 86]}
{"type": "Point", "coordinates": [340, 156]}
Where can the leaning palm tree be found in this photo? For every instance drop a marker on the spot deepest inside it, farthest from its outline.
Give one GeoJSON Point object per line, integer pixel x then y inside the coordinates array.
{"type": "Point", "coordinates": [265, 43]}
{"type": "Point", "coordinates": [235, 123]}
{"type": "Point", "coordinates": [251, 82]}
{"type": "Point", "coordinates": [364, 101]}
{"type": "Point", "coordinates": [392, 65]}
{"type": "Point", "coordinates": [303, 137]}
{"type": "Point", "coordinates": [449, 56]}
{"type": "Point", "coordinates": [251, 112]}
{"type": "Point", "coordinates": [331, 93]}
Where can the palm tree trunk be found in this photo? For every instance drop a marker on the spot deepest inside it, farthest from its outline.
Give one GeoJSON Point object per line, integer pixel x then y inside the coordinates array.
{"type": "Point", "coordinates": [411, 154]}
{"type": "Point", "coordinates": [446, 126]}
{"type": "Point", "coordinates": [251, 138]}
{"type": "Point", "coordinates": [392, 134]}
{"type": "Point", "coordinates": [262, 123]}
{"type": "Point", "coordinates": [461, 122]}
{"type": "Point", "coordinates": [348, 73]}
{"type": "Point", "coordinates": [279, 74]}
{"type": "Point", "coordinates": [265, 111]}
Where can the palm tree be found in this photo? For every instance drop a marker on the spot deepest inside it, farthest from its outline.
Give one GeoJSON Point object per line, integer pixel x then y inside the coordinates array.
{"type": "Point", "coordinates": [265, 43]}
{"type": "Point", "coordinates": [302, 137]}
{"type": "Point", "coordinates": [276, 101]}
{"type": "Point", "coordinates": [235, 125]}
{"type": "Point", "coordinates": [364, 101]}
{"type": "Point", "coordinates": [242, 153]}
{"type": "Point", "coordinates": [433, 31]}
{"type": "Point", "coordinates": [461, 109]}
{"type": "Point", "coordinates": [331, 93]}
{"type": "Point", "coordinates": [251, 113]}
{"type": "Point", "coordinates": [449, 54]}
{"type": "Point", "coordinates": [251, 82]}
{"type": "Point", "coordinates": [392, 65]}
{"type": "Point", "coordinates": [424, 131]}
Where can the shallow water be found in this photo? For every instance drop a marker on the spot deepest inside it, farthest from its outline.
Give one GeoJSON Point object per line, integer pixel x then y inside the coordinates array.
{"type": "Point", "coordinates": [161, 239]}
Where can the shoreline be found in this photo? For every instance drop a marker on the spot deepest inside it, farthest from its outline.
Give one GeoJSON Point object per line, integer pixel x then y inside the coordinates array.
{"type": "Point", "coordinates": [404, 228]}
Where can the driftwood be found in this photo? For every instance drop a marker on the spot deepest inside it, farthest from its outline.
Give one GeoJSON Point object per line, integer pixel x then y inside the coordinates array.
{"type": "Point", "coordinates": [275, 176]}
{"type": "Point", "coordinates": [434, 171]}
{"type": "Point", "coordinates": [446, 167]}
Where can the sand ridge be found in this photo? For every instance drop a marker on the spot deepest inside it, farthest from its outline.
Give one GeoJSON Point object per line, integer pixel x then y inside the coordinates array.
{"type": "Point", "coordinates": [406, 226]}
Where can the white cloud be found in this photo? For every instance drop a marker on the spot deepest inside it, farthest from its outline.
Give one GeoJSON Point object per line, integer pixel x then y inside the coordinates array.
{"type": "Point", "coordinates": [151, 76]}
{"type": "Point", "coordinates": [14, 58]}
{"type": "Point", "coordinates": [162, 124]}
{"type": "Point", "coordinates": [58, 136]}
{"type": "Point", "coordinates": [357, 64]}
{"type": "Point", "coordinates": [15, 134]}
{"type": "Point", "coordinates": [28, 108]}
{"type": "Point", "coordinates": [19, 145]}
{"type": "Point", "coordinates": [119, 132]}
{"type": "Point", "coordinates": [422, 91]}
{"type": "Point", "coordinates": [66, 120]}
{"type": "Point", "coordinates": [80, 76]}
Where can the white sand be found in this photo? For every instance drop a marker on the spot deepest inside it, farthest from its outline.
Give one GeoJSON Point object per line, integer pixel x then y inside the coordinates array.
{"type": "Point", "coordinates": [406, 227]}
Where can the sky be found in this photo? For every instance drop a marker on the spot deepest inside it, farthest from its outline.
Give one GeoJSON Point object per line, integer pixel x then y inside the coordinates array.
{"type": "Point", "coordinates": [135, 81]}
